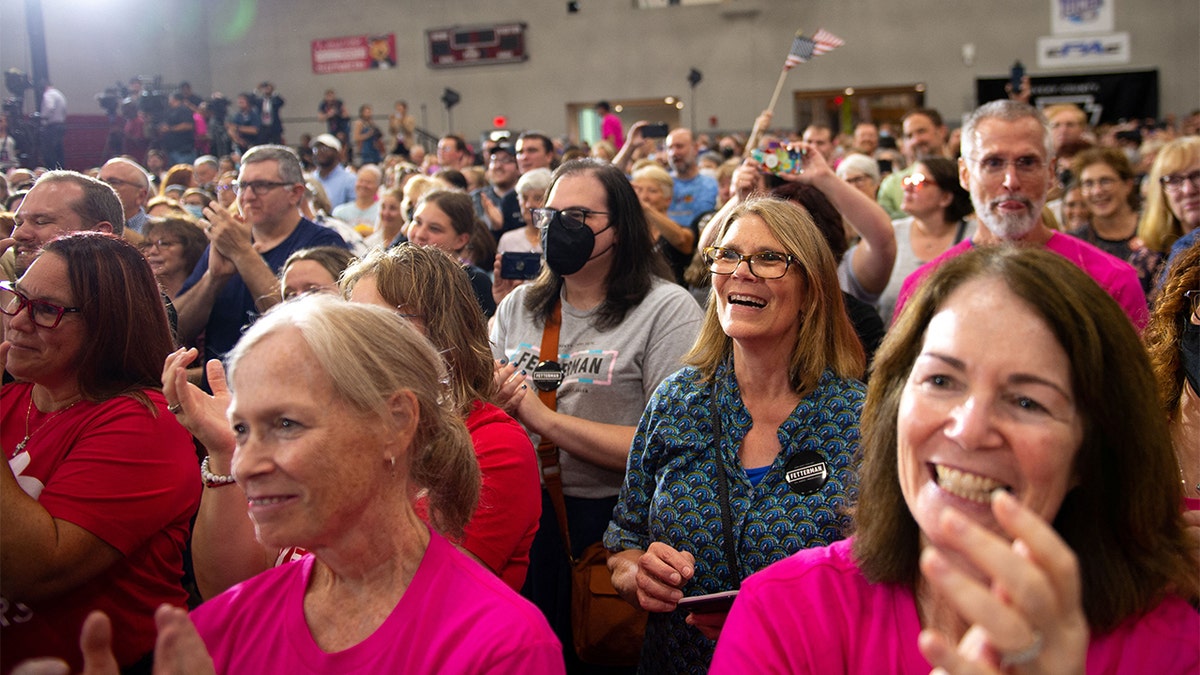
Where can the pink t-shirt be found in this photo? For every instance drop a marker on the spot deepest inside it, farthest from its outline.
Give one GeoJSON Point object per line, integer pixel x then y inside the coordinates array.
{"type": "Point", "coordinates": [1113, 274]}
{"type": "Point", "coordinates": [815, 613]}
{"type": "Point", "coordinates": [455, 617]}
{"type": "Point", "coordinates": [610, 130]}
{"type": "Point", "coordinates": [128, 476]}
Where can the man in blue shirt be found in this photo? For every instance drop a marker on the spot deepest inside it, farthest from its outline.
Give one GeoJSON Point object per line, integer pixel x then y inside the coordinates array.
{"type": "Point", "coordinates": [337, 180]}
{"type": "Point", "coordinates": [236, 278]}
{"type": "Point", "coordinates": [695, 193]}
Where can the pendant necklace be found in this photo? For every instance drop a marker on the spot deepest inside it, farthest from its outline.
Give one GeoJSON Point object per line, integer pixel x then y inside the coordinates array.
{"type": "Point", "coordinates": [29, 410]}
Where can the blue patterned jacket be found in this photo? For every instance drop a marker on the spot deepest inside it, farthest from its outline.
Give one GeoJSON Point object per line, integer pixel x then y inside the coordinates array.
{"type": "Point", "coordinates": [670, 492]}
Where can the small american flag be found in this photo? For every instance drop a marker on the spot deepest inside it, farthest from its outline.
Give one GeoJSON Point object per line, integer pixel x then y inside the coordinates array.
{"type": "Point", "coordinates": [804, 48]}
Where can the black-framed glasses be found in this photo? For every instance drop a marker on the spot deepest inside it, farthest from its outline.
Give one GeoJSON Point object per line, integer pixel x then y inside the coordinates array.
{"type": "Point", "coordinates": [1173, 182]}
{"type": "Point", "coordinates": [42, 313]}
{"type": "Point", "coordinates": [764, 265]}
{"type": "Point", "coordinates": [573, 218]}
{"type": "Point", "coordinates": [258, 187]}
{"type": "Point", "coordinates": [1194, 298]}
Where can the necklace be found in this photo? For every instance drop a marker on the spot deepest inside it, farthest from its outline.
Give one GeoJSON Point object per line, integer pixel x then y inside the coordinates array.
{"type": "Point", "coordinates": [1183, 479]}
{"type": "Point", "coordinates": [29, 410]}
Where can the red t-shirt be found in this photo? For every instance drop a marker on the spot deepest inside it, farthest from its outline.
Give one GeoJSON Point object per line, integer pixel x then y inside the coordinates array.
{"type": "Point", "coordinates": [126, 476]}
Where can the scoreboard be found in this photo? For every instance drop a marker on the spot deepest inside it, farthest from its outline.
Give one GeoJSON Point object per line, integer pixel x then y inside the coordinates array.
{"type": "Point", "coordinates": [475, 46]}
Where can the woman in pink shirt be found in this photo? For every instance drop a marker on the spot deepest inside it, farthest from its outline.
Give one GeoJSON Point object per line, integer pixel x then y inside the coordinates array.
{"type": "Point", "coordinates": [343, 413]}
{"type": "Point", "coordinates": [1019, 500]}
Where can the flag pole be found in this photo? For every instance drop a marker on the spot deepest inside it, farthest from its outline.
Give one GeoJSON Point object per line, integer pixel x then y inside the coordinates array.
{"type": "Point", "coordinates": [756, 131]}
{"type": "Point", "coordinates": [778, 88]}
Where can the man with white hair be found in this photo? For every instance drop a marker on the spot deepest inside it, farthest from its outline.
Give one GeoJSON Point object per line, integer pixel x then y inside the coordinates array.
{"type": "Point", "coordinates": [204, 171]}
{"type": "Point", "coordinates": [1006, 166]}
{"type": "Point", "coordinates": [132, 185]}
{"type": "Point", "coordinates": [364, 210]}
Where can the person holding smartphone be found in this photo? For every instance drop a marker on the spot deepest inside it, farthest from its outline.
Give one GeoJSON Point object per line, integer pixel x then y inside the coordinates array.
{"type": "Point", "coordinates": [768, 404]}
{"type": "Point", "coordinates": [516, 246]}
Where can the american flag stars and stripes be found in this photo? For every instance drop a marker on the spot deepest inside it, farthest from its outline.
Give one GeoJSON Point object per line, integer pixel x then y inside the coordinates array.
{"type": "Point", "coordinates": [804, 48]}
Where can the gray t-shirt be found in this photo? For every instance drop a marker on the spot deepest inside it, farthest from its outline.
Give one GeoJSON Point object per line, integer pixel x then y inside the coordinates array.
{"type": "Point", "coordinates": [609, 375]}
{"type": "Point", "coordinates": [906, 263]}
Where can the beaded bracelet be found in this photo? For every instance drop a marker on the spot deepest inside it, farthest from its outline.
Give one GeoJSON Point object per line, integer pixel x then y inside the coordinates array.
{"type": "Point", "coordinates": [212, 480]}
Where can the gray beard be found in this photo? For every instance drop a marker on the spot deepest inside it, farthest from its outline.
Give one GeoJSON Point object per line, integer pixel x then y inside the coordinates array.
{"type": "Point", "coordinates": [1007, 226]}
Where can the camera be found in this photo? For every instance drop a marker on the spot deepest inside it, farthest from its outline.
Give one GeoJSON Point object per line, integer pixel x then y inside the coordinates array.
{"type": "Point", "coordinates": [778, 159]}
{"type": "Point", "coordinates": [218, 105]}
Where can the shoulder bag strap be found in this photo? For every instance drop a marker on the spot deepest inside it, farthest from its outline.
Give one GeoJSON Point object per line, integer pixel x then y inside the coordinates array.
{"type": "Point", "coordinates": [731, 557]}
{"type": "Point", "coordinates": [547, 451]}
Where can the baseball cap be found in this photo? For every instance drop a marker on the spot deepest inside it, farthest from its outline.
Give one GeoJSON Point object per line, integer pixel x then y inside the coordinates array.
{"type": "Point", "coordinates": [505, 148]}
{"type": "Point", "coordinates": [328, 140]}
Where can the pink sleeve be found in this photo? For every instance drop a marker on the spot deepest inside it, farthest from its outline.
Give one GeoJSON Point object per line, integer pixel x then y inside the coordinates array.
{"type": "Point", "coordinates": [1128, 293]}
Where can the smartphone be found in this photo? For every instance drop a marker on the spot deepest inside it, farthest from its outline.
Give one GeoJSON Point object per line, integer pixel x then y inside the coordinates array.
{"type": "Point", "coordinates": [520, 265]}
{"type": "Point", "coordinates": [1015, 77]}
{"type": "Point", "coordinates": [779, 160]}
{"type": "Point", "coordinates": [712, 603]}
{"type": "Point", "coordinates": [657, 130]}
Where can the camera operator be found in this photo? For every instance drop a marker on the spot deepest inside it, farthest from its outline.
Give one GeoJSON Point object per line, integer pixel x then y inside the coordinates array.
{"type": "Point", "coordinates": [54, 126]}
{"type": "Point", "coordinates": [218, 109]}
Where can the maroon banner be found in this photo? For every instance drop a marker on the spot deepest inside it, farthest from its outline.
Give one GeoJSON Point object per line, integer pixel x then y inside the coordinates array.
{"type": "Point", "coordinates": [353, 53]}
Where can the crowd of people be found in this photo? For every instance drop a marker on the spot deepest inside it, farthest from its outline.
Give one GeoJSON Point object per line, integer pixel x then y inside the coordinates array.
{"type": "Point", "coordinates": [928, 403]}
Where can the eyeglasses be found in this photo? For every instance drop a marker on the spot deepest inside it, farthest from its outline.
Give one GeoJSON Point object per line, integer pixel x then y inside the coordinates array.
{"type": "Point", "coordinates": [42, 313]}
{"type": "Point", "coordinates": [1194, 298]}
{"type": "Point", "coordinates": [259, 187]}
{"type": "Point", "coordinates": [916, 181]}
{"type": "Point", "coordinates": [573, 219]}
{"type": "Point", "coordinates": [1173, 182]}
{"type": "Point", "coordinates": [223, 188]}
{"type": "Point", "coordinates": [1101, 183]}
{"type": "Point", "coordinates": [117, 182]}
{"type": "Point", "coordinates": [1025, 166]}
{"type": "Point", "coordinates": [159, 243]}
{"type": "Point", "coordinates": [857, 180]}
{"type": "Point", "coordinates": [765, 265]}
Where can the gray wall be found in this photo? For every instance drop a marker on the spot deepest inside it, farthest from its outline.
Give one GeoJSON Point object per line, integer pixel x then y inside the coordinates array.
{"type": "Point", "coordinates": [608, 50]}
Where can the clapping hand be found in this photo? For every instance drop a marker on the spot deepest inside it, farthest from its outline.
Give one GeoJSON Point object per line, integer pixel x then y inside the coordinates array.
{"type": "Point", "coordinates": [1026, 615]}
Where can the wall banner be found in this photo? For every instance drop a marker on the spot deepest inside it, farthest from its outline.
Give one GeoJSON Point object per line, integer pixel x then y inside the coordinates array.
{"type": "Point", "coordinates": [1105, 97]}
{"type": "Point", "coordinates": [1069, 17]}
{"type": "Point", "coordinates": [1083, 51]}
{"type": "Point", "coordinates": [353, 53]}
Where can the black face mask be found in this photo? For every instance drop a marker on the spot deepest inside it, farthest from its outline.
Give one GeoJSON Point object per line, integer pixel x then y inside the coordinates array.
{"type": "Point", "coordinates": [1189, 354]}
{"type": "Point", "coordinates": [568, 244]}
